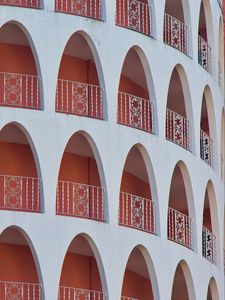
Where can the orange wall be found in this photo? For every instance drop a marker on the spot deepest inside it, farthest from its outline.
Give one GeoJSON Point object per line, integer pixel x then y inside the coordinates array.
{"type": "Point", "coordinates": [128, 86]}
{"type": "Point", "coordinates": [17, 59]}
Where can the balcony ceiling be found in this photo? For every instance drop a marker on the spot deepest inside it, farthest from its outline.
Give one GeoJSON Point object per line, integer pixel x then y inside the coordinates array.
{"type": "Point", "coordinates": [12, 34]}
{"type": "Point", "coordinates": [12, 134]}
{"type": "Point", "coordinates": [136, 263]}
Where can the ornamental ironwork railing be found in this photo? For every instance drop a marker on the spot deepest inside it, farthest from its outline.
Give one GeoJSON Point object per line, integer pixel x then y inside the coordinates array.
{"type": "Point", "coordinates": [220, 76]}
{"type": "Point", "coordinates": [128, 298]}
{"type": "Point", "coordinates": [206, 148]}
{"type": "Point", "coordinates": [20, 291]}
{"type": "Point", "coordinates": [205, 55]}
{"type": "Point", "coordinates": [135, 112]}
{"type": "Point", "coordinates": [224, 260]}
{"type": "Point", "coordinates": [20, 90]}
{"type": "Point", "coordinates": [208, 245]}
{"type": "Point", "coordinates": [86, 8]}
{"type": "Point", "coordinates": [178, 129]}
{"type": "Point", "coordinates": [176, 34]}
{"type": "Point", "coordinates": [20, 193]}
{"type": "Point", "coordinates": [22, 3]}
{"type": "Point", "coordinates": [79, 98]}
{"type": "Point", "coordinates": [80, 200]}
{"type": "Point", "coordinates": [179, 228]}
{"type": "Point", "coordinates": [70, 293]}
{"type": "Point", "coordinates": [137, 212]}
{"type": "Point", "coordinates": [134, 15]}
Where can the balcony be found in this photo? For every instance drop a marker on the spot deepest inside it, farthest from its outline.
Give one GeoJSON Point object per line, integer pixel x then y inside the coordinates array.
{"type": "Point", "coordinates": [178, 129]}
{"type": "Point", "coordinates": [208, 245]}
{"type": "Point", "coordinates": [134, 15]}
{"type": "Point", "coordinates": [20, 291]}
{"type": "Point", "coordinates": [79, 98]}
{"type": "Point", "coordinates": [70, 293]}
{"type": "Point", "coordinates": [205, 55]}
{"type": "Point", "coordinates": [206, 148]}
{"type": "Point", "coordinates": [80, 200]}
{"type": "Point", "coordinates": [137, 212]}
{"type": "Point", "coordinates": [19, 90]}
{"type": "Point", "coordinates": [22, 3]}
{"type": "Point", "coordinates": [85, 8]}
{"type": "Point", "coordinates": [179, 228]}
{"type": "Point", "coordinates": [135, 112]}
{"type": "Point", "coordinates": [176, 34]}
{"type": "Point", "coordinates": [20, 193]}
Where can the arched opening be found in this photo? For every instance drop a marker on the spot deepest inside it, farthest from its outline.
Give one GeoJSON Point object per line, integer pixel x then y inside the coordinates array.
{"type": "Point", "coordinates": [79, 190]}
{"type": "Point", "coordinates": [136, 282]}
{"type": "Point", "coordinates": [134, 15]}
{"type": "Point", "coordinates": [19, 278]}
{"type": "Point", "coordinates": [212, 293]}
{"type": "Point", "coordinates": [85, 8]}
{"type": "Point", "coordinates": [135, 109]}
{"type": "Point", "coordinates": [180, 227]}
{"type": "Point", "coordinates": [178, 126]}
{"type": "Point", "coordinates": [222, 147]}
{"type": "Point", "coordinates": [136, 208]}
{"type": "Point", "coordinates": [176, 26]}
{"type": "Point", "coordinates": [19, 182]}
{"type": "Point", "coordinates": [78, 88]}
{"type": "Point", "coordinates": [80, 275]}
{"type": "Point", "coordinates": [19, 80]}
{"type": "Point", "coordinates": [221, 56]}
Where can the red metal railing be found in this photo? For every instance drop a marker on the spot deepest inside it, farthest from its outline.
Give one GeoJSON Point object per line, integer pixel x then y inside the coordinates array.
{"type": "Point", "coordinates": [79, 99]}
{"type": "Point", "coordinates": [20, 291]}
{"type": "Point", "coordinates": [22, 3]}
{"type": "Point", "coordinates": [137, 212]}
{"type": "Point", "coordinates": [128, 298]}
{"type": "Point", "coordinates": [70, 293]}
{"type": "Point", "coordinates": [205, 55]}
{"type": "Point", "coordinates": [80, 200]}
{"type": "Point", "coordinates": [20, 193]}
{"type": "Point", "coordinates": [208, 245]}
{"type": "Point", "coordinates": [85, 8]}
{"type": "Point", "coordinates": [206, 148]}
{"type": "Point", "coordinates": [19, 90]}
{"type": "Point", "coordinates": [134, 14]}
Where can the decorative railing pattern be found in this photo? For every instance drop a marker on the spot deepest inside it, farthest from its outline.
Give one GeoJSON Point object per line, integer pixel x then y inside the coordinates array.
{"type": "Point", "coordinates": [220, 76]}
{"type": "Point", "coordinates": [178, 129]}
{"type": "Point", "coordinates": [179, 228]}
{"type": "Point", "coordinates": [206, 148]}
{"type": "Point", "coordinates": [22, 3]}
{"type": "Point", "coordinates": [208, 245]}
{"type": "Point", "coordinates": [70, 293]}
{"type": "Point", "coordinates": [134, 14]}
{"type": "Point", "coordinates": [135, 112]}
{"type": "Point", "coordinates": [20, 291]}
{"type": "Point", "coordinates": [128, 298]}
{"type": "Point", "coordinates": [205, 55]}
{"type": "Point", "coordinates": [137, 212]}
{"type": "Point", "coordinates": [79, 99]}
{"type": "Point", "coordinates": [20, 193]}
{"type": "Point", "coordinates": [80, 200]}
{"type": "Point", "coordinates": [224, 260]}
{"type": "Point", "coordinates": [176, 34]}
{"type": "Point", "coordinates": [19, 90]}
{"type": "Point", "coordinates": [222, 168]}
{"type": "Point", "coordinates": [86, 8]}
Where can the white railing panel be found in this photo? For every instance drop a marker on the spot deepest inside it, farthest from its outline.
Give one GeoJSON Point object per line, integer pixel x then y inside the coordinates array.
{"type": "Point", "coordinates": [208, 245]}
{"type": "Point", "coordinates": [205, 55]}
{"type": "Point", "coordinates": [20, 291]}
{"type": "Point", "coordinates": [206, 148]}
{"type": "Point", "coordinates": [70, 293]}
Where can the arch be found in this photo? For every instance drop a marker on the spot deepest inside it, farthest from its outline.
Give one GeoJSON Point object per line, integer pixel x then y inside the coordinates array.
{"type": "Point", "coordinates": [20, 68]}
{"type": "Point", "coordinates": [82, 270]}
{"type": "Point", "coordinates": [18, 277]}
{"type": "Point", "coordinates": [80, 85]}
{"type": "Point", "coordinates": [81, 190]}
{"type": "Point", "coordinates": [136, 94]}
{"type": "Point", "coordinates": [212, 293]}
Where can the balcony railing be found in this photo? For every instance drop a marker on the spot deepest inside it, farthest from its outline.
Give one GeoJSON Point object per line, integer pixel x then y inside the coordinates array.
{"type": "Point", "coordinates": [128, 298]}
{"type": "Point", "coordinates": [176, 34]}
{"type": "Point", "coordinates": [179, 228]}
{"type": "Point", "coordinates": [137, 212]}
{"type": "Point", "coordinates": [220, 76]}
{"type": "Point", "coordinates": [206, 148]}
{"type": "Point", "coordinates": [205, 55]}
{"type": "Point", "coordinates": [135, 112]}
{"type": "Point", "coordinates": [22, 3]}
{"type": "Point", "coordinates": [224, 260]}
{"type": "Point", "coordinates": [80, 200]}
{"type": "Point", "coordinates": [222, 168]}
{"type": "Point", "coordinates": [19, 90]}
{"type": "Point", "coordinates": [178, 129]}
{"type": "Point", "coordinates": [20, 291]}
{"type": "Point", "coordinates": [20, 193]}
{"type": "Point", "coordinates": [70, 293]}
{"type": "Point", "coordinates": [79, 99]}
{"type": "Point", "coordinates": [86, 8]}
{"type": "Point", "coordinates": [134, 15]}
{"type": "Point", "coordinates": [208, 245]}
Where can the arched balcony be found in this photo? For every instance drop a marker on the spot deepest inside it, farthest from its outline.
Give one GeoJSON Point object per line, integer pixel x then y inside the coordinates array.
{"type": "Point", "coordinates": [137, 209]}
{"type": "Point", "coordinates": [20, 186]}
{"type": "Point", "coordinates": [135, 15]}
{"type": "Point", "coordinates": [78, 88]}
{"type": "Point", "coordinates": [80, 276]}
{"type": "Point", "coordinates": [19, 80]}
{"type": "Point", "coordinates": [135, 109]}
{"type": "Point", "coordinates": [212, 293]}
{"type": "Point", "coordinates": [79, 190]}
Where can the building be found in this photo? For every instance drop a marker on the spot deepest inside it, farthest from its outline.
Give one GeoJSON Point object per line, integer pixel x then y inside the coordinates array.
{"type": "Point", "coordinates": [111, 150]}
